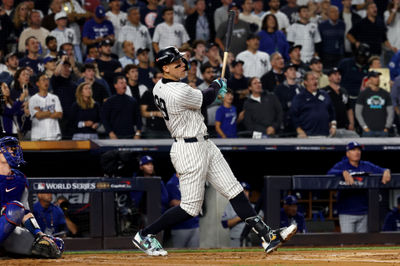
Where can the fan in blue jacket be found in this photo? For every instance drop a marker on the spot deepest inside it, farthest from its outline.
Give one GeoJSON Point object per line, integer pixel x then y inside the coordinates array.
{"type": "Point", "coordinates": [352, 204]}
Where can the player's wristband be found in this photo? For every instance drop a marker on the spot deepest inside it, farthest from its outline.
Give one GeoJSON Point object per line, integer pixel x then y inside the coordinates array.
{"type": "Point", "coordinates": [32, 226]}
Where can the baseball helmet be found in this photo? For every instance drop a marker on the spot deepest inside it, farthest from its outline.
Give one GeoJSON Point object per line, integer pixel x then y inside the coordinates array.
{"type": "Point", "coordinates": [12, 151]}
{"type": "Point", "coordinates": [168, 55]}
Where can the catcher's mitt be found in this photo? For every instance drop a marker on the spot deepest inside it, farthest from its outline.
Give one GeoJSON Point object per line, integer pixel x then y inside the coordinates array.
{"type": "Point", "coordinates": [44, 246]}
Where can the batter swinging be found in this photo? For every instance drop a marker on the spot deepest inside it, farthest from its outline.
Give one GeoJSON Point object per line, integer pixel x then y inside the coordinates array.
{"type": "Point", "coordinates": [195, 158]}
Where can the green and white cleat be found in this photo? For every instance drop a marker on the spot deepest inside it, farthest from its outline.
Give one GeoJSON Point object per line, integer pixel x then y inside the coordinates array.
{"type": "Point", "coordinates": [149, 244]}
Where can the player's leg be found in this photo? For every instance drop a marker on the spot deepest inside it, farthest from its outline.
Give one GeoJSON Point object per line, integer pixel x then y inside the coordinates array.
{"type": "Point", "coordinates": [189, 161]}
{"type": "Point", "coordinates": [362, 224]}
{"type": "Point", "coordinates": [11, 217]}
{"type": "Point", "coordinates": [19, 242]}
{"type": "Point", "coordinates": [347, 224]}
{"type": "Point", "coordinates": [221, 177]}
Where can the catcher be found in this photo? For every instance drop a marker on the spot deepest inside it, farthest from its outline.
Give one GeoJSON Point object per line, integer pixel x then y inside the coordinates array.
{"type": "Point", "coordinates": [20, 233]}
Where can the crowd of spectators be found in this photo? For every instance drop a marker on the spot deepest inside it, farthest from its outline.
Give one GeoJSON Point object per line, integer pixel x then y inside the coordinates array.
{"type": "Point", "coordinates": [84, 69]}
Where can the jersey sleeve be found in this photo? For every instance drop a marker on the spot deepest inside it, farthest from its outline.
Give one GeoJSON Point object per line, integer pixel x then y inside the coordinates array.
{"type": "Point", "coordinates": [32, 104]}
{"type": "Point", "coordinates": [58, 104]}
{"type": "Point", "coordinates": [291, 34]}
{"type": "Point", "coordinates": [156, 36]}
{"type": "Point", "coordinates": [185, 37]}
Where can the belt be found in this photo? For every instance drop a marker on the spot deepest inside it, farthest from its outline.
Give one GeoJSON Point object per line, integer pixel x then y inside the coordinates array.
{"type": "Point", "coordinates": [195, 139]}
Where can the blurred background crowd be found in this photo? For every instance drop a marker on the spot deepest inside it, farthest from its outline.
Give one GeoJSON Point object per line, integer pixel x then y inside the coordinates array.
{"type": "Point", "coordinates": [83, 69]}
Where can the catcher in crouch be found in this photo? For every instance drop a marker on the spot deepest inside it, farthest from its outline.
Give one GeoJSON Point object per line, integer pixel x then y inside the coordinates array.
{"type": "Point", "coordinates": [20, 233]}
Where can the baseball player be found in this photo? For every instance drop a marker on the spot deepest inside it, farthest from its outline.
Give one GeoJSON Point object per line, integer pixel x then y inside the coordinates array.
{"type": "Point", "coordinates": [197, 159]}
{"type": "Point", "coordinates": [20, 232]}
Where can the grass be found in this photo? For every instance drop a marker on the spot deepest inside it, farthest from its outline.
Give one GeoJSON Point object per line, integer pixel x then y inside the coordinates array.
{"type": "Point", "coordinates": [232, 250]}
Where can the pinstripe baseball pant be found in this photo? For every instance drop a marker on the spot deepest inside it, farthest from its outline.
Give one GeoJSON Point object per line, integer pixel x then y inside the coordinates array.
{"type": "Point", "coordinates": [196, 163]}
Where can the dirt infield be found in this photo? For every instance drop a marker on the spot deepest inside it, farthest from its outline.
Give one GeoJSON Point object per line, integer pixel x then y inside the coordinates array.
{"type": "Point", "coordinates": [292, 256]}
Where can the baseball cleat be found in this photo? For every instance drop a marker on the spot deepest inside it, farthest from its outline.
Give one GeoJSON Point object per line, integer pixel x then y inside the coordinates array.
{"type": "Point", "coordinates": [278, 237]}
{"type": "Point", "coordinates": [149, 245]}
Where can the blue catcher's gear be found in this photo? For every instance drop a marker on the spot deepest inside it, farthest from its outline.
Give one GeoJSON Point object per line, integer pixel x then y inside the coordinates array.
{"type": "Point", "coordinates": [12, 214]}
{"type": "Point", "coordinates": [59, 242]}
{"type": "Point", "coordinates": [10, 148]}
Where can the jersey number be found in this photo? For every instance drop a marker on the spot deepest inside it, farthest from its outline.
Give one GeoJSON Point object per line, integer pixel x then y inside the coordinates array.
{"type": "Point", "coordinates": [162, 106]}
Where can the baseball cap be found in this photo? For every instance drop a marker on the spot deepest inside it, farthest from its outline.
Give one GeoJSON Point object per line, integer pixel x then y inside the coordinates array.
{"type": "Point", "coordinates": [145, 159]}
{"type": "Point", "coordinates": [141, 50]}
{"type": "Point", "coordinates": [49, 59]}
{"type": "Point", "coordinates": [289, 65]}
{"type": "Point", "coordinates": [290, 200]}
{"type": "Point", "coordinates": [332, 71]}
{"type": "Point", "coordinates": [235, 62]}
{"type": "Point", "coordinates": [9, 55]}
{"type": "Point", "coordinates": [100, 12]}
{"type": "Point", "coordinates": [60, 15]}
{"type": "Point", "coordinates": [105, 43]}
{"type": "Point", "coordinates": [315, 60]}
{"type": "Point", "coordinates": [232, 5]}
{"type": "Point", "coordinates": [211, 45]}
{"type": "Point", "coordinates": [374, 74]}
{"type": "Point", "coordinates": [245, 185]}
{"type": "Point", "coordinates": [294, 47]}
{"type": "Point", "coordinates": [352, 145]}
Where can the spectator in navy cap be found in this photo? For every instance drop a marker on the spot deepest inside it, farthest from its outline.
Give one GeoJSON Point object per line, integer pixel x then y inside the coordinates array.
{"type": "Point", "coordinates": [374, 108]}
{"type": "Point", "coordinates": [290, 214]}
{"type": "Point", "coordinates": [392, 219]}
{"type": "Point", "coordinates": [98, 28]}
{"type": "Point", "coordinates": [352, 204]}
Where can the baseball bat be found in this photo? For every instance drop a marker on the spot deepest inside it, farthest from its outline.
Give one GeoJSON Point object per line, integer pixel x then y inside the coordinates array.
{"type": "Point", "coordinates": [228, 39]}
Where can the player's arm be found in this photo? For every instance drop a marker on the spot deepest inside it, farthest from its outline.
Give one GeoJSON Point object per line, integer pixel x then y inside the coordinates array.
{"type": "Point", "coordinates": [219, 130]}
{"type": "Point", "coordinates": [217, 87]}
{"type": "Point", "coordinates": [41, 114]}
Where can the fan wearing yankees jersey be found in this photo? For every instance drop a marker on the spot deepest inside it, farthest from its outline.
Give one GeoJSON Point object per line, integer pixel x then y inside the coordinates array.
{"type": "Point", "coordinates": [304, 33]}
{"type": "Point", "coordinates": [63, 34]}
{"type": "Point", "coordinates": [169, 32]}
{"type": "Point", "coordinates": [196, 159]}
{"type": "Point", "coordinates": [256, 63]}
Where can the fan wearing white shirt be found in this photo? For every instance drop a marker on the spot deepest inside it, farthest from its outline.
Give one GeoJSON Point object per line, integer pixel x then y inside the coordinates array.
{"type": "Point", "coordinates": [246, 15]}
{"type": "Point", "coordinates": [118, 19]}
{"type": "Point", "coordinates": [304, 33]}
{"type": "Point", "coordinates": [134, 31]}
{"type": "Point", "coordinates": [45, 109]}
{"type": "Point", "coordinates": [256, 63]}
{"type": "Point", "coordinates": [63, 34]}
{"type": "Point", "coordinates": [169, 33]}
{"type": "Point", "coordinates": [283, 21]}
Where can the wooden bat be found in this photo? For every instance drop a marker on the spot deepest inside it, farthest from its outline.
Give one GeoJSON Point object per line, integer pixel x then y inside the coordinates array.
{"type": "Point", "coordinates": [228, 38]}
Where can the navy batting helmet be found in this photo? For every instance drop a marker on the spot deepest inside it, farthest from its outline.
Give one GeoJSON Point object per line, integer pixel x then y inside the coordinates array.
{"type": "Point", "coordinates": [10, 148]}
{"type": "Point", "coordinates": [168, 55]}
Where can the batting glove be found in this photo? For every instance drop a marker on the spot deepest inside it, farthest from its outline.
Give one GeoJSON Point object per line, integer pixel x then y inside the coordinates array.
{"type": "Point", "coordinates": [223, 87]}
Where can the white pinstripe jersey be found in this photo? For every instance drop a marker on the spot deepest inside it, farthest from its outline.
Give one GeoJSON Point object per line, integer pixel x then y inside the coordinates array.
{"type": "Point", "coordinates": [180, 105]}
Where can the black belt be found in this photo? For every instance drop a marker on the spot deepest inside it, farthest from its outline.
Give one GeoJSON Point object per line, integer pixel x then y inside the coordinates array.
{"type": "Point", "coordinates": [190, 140]}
